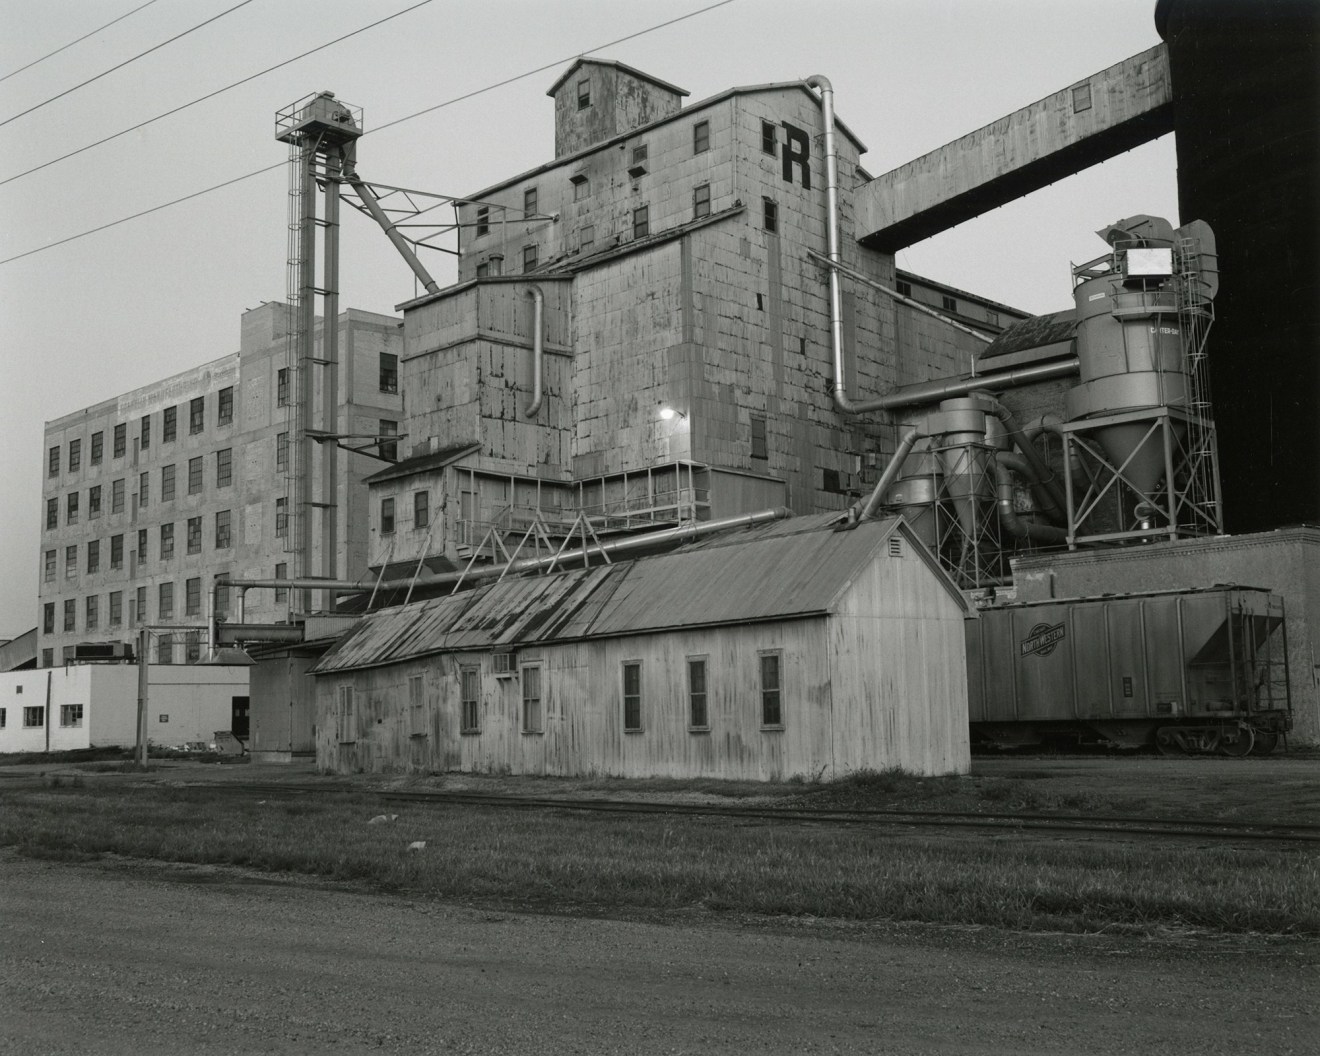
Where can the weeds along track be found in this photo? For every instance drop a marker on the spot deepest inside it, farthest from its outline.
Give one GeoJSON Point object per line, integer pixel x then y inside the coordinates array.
{"type": "Point", "coordinates": [991, 821]}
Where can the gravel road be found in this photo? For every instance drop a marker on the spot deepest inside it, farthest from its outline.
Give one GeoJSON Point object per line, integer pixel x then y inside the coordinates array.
{"type": "Point", "coordinates": [119, 957]}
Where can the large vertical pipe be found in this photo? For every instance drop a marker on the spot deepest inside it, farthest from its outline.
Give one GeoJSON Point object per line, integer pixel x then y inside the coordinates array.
{"type": "Point", "coordinates": [302, 476]}
{"type": "Point", "coordinates": [329, 453]}
{"type": "Point", "coordinates": [891, 472]}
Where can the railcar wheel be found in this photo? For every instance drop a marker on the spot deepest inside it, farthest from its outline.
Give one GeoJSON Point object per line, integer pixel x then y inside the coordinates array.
{"type": "Point", "coordinates": [1266, 742]}
{"type": "Point", "coordinates": [1166, 740]}
{"type": "Point", "coordinates": [1236, 741]}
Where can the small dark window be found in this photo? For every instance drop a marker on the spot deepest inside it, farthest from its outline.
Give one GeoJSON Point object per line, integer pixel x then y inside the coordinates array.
{"type": "Point", "coordinates": [94, 502]}
{"type": "Point", "coordinates": [34, 717]}
{"type": "Point", "coordinates": [48, 618]}
{"type": "Point", "coordinates": [581, 186]}
{"type": "Point", "coordinates": [583, 94]}
{"type": "Point", "coordinates": [770, 215]}
{"type": "Point", "coordinates": [700, 137]}
{"type": "Point", "coordinates": [223, 537]}
{"type": "Point", "coordinates": [389, 372]}
{"type": "Point", "coordinates": [144, 490]}
{"type": "Point", "coordinates": [281, 518]}
{"type": "Point", "coordinates": [225, 406]}
{"type": "Point", "coordinates": [71, 562]}
{"type": "Point", "coordinates": [760, 449]}
{"type": "Point", "coordinates": [192, 597]}
{"type": "Point", "coordinates": [116, 608]}
{"type": "Point", "coordinates": [282, 387]}
{"type": "Point", "coordinates": [52, 513]}
{"type": "Point", "coordinates": [701, 201]}
{"type": "Point", "coordinates": [281, 451]}
{"type": "Point", "coordinates": [116, 551]}
{"type": "Point", "coordinates": [120, 440]}
{"type": "Point", "coordinates": [904, 288]}
{"type": "Point", "coordinates": [386, 516]}
{"type": "Point", "coordinates": [282, 572]}
{"type": "Point", "coordinates": [529, 203]}
{"type": "Point", "coordinates": [75, 452]}
{"type": "Point", "coordinates": [195, 475]}
{"type": "Point", "coordinates": [771, 700]}
{"type": "Point", "coordinates": [632, 696]}
{"type": "Point", "coordinates": [144, 435]}
{"type": "Point", "coordinates": [169, 423]}
{"type": "Point", "coordinates": [165, 649]}
{"type": "Point", "coordinates": [93, 557]}
{"type": "Point", "coordinates": [166, 541]}
{"type": "Point", "coordinates": [768, 142]}
{"type": "Point", "coordinates": [950, 304]}
{"type": "Point", "coordinates": [469, 693]}
{"type": "Point", "coordinates": [638, 168]}
{"type": "Point", "coordinates": [483, 220]}
{"type": "Point", "coordinates": [70, 615]}
{"type": "Point", "coordinates": [1081, 98]}
{"type": "Point", "coordinates": [529, 258]}
{"type": "Point", "coordinates": [53, 466]}
{"type": "Point", "coordinates": [641, 220]}
{"type": "Point", "coordinates": [71, 513]}
{"type": "Point", "coordinates": [142, 555]}
{"type": "Point", "coordinates": [117, 496]}
{"type": "Point", "coordinates": [166, 483]}
{"type": "Point", "coordinates": [389, 449]}
{"type": "Point", "coordinates": [194, 535]}
{"type": "Point", "coordinates": [586, 237]}
{"type": "Point", "coordinates": [164, 602]}
{"type": "Point", "coordinates": [421, 509]}
{"type": "Point", "coordinates": [72, 714]}
{"type": "Point", "coordinates": [830, 481]}
{"type": "Point", "coordinates": [224, 467]}
{"type": "Point", "coordinates": [92, 612]}
{"type": "Point", "coordinates": [698, 718]}
{"type": "Point", "coordinates": [532, 702]}
{"type": "Point", "coordinates": [196, 415]}
{"type": "Point", "coordinates": [49, 564]}
{"type": "Point", "coordinates": [139, 612]}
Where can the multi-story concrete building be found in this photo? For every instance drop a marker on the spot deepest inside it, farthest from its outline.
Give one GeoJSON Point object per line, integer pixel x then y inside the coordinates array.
{"type": "Point", "coordinates": [660, 265]}
{"type": "Point", "coordinates": [151, 495]}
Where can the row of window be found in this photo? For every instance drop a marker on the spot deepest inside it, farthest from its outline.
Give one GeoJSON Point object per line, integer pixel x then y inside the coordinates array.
{"type": "Point", "coordinates": [34, 716]}
{"type": "Point", "coordinates": [224, 477]}
{"type": "Point", "coordinates": [223, 538]}
{"type": "Point", "coordinates": [532, 714]}
{"type": "Point", "coordinates": [421, 512]}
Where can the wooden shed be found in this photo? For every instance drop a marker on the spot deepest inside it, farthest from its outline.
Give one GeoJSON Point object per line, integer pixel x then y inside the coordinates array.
{"type": "Point", "coordinates": [799, 648]}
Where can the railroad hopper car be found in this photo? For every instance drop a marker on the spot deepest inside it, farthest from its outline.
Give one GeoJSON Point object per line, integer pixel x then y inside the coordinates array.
{"type": "Point", "coordinates": [1185, 671]}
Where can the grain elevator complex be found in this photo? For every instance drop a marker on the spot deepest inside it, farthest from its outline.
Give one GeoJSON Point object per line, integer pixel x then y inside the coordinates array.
{"type": "Point", "coordinates": [687, 329]}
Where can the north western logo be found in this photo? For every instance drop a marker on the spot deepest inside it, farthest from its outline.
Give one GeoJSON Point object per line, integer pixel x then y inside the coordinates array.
{"type": "Point", "coordinates": [1042, 639]}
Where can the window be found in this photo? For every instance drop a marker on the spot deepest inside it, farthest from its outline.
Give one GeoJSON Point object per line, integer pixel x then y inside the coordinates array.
{"type": "Point", "coordinates": [529, 258]}
{"type": "Point", "coordinates": [281, 451]}
{"type": "Point", "coordinates": [166, 483]}
{"type": "Point", "coordinates": [94, 502]}
{"type": "Point", "coordinates": [760, 448]}
{"type": "Point", "coordinates": [992, 317]}
{"type": "Point", "coordinates": [581, 186]}
{"type": "Point", "coordinates": [641, 221]}
{"type": "Point", "coordinates": [116, 551]}
{"type": "Point", "coordinates": [192, 596]}
{"type": "Point", "coordinates": [120, 441]}
{"type": "Point", "coordinates": [583, 93]}
{"type": "Point", "coordinates": [141, 605]}
{"type": "Point", "coordinates": [632, 696]}
{"type": "Point", "coordinates": [194, 475]}
{"type": "Point", "coordinates": [75, 452]}
{"type": "Point", "coordinates": [282, 572]}
{"type": "Point", "coordinates": [222, 531]}
{"type": "Point", "coordinates": [221, 599]}
{"type": "Point", "coordinates": [1081, 98]}
{"type": "Point", "coordinates": [165, 601]}
{"type": "Point", "coordinates": [282, 387]}
{"type": "Point", "coordinates": [586, 237]}
{"type": "Point", "coordinates": [768, 142]}
{"type": "Point", "coordinates": [698, 716]}
{"type": "Point", "coordinates": [49, 575]}
{"type": "Point", "coordinates": [904, 288]}
{"type": "Point", "coordinates": [389, 449]}
{"type": "Point", "coordinates": [144, 489]}
{"type": "Point", "coordinates": [196, 415]}
{"type": "Point", "coordinates": [53, 466]}
{"type": "Point", "coordinates": [48, 618]}
{"type": "Point", "coordinates": [347, 716]}
{"type": "Point", "coordinates": [281, 517]}
{"type": "Point", "coordinates": [52, 513]}
{"type": "Point", "coordinates": [4, 715]}
{"type": "Point", "coordinates": [225, 406]}
{"type": "Point", "coordinates": [469, 689]}
{"type": "Point", "coordinates": [389, 372]}
{"type": "Point", "coordinates": [166, 541]}
{"type": "Point", "coordinates": [949, 304]}
{"type": "Point", "coordinates": [531, 699]}
{"type": "Point", "coordinates": [483, 220]}
{"type": "Point", "coordinates": [770, 215]}
{"type": "Point", "coordinates": [224, 467]}
{"type": "Point", "coordinates": [165, 649]}
{"type": "Point", "coordinates": [638, 168]}
{"type": "Point", "coordinates": [169, 424]}
{"type": "Point", "coordinates": [701, 201]}
{"type": "Point", "coordinates": [117, 496]}
{"type": "Point", "coordinates": [529, 203]}
{"type": "Point", "coordinates": [34, 716]}
{"type": "Point", "coordinates": [194, 535]}
{"type": "Point", "coordinates": [93, 556]}
{"type": "Point", "coordinates": [192, 648]}
{"type": "Point", "coordinates": [142, 546]}
{"type": "Point", "coordinates": [700, 137]}
{"type": "Point", "coordinates": [71, 714]}
{"type": "Point", "coordinates": [417, 705]}
{"type": "Point", "coordinates": [116, 608]}
{"type": "Point", "coordinates": [70, 614]}
{"type": "Point", "coordinates": [771, 705]}
{"type": "Point", "coordinates": [421, 509]}
{"type": "Point", "coordinates": [144, 433]}
{"type": "Point", "coordinates": [71, 562]}
{"type": "Point", "coordinates": [92, 612]}
{"type": "Point", "coordinates": [71, 508]}
{"type": "Point", "coordinates": [386, 516]}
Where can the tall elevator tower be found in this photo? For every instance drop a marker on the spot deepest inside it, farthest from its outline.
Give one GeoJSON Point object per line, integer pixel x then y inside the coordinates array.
{"type": "Point", "coordinates": [322, 134]}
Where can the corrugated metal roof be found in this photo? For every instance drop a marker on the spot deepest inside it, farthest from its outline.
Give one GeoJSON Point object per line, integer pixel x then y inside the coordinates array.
{"type": "Point", "coordinates": [783, 570]}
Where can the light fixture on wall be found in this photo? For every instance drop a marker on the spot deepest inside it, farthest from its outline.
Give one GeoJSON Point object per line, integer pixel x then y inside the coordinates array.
{"type": "Point", "coordinates": [668, 414]}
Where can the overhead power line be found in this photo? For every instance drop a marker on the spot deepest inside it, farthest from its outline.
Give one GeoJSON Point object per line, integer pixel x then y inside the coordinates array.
{"type": "Point", "coordinates": [120, 66]}
{"type": "Point", "coordinates": [210, 95]}
{"type": "Point", "coordinates": [66, 47]}
{"type": "Point", "coordinates": [389, 124]}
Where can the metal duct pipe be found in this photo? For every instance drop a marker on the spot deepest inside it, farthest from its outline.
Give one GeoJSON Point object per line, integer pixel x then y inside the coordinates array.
{"type": "Point", "coordinates": [538, 349]}
{"type": "Point", "coordinates": [832, 240]}
{"type": "Point", "coordinates": [1055, 502]}
{"type": "Point", "coordinates": [891, 472]}
{"type": "Point", "coordinates": [400, 243]}
{"type": "Point", "coordinates": [1008, 517]}
{"type": "Point", "coordinates": [934, 391]}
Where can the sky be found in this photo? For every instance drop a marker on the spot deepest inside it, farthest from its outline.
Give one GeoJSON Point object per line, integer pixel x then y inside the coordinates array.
{"type": "Point", "coordinates": [96, 316]}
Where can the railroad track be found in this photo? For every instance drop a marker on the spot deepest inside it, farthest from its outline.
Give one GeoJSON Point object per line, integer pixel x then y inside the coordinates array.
{"type": "Point", "coordinates": [997, 820]}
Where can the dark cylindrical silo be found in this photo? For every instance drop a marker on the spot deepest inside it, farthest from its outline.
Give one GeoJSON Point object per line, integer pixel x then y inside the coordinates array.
{"type": "Point", "coordinates": [1246, 91]}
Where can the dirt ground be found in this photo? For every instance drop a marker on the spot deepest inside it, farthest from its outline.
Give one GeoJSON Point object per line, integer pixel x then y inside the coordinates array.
{"type": "Point", "coordinates": [120, 958]}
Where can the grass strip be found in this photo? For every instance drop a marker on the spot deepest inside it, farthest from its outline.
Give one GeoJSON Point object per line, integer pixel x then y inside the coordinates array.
{"type": "Point", "coordinates": [566, 860]}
